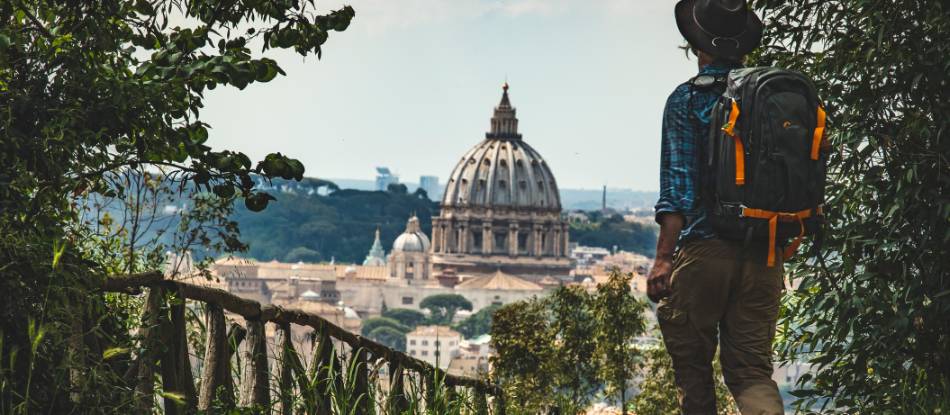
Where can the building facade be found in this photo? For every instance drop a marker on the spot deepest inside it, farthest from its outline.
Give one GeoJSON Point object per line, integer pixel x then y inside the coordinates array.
{"type": "Point", "coordinates": [436, 345]}
{"type": "Point", "coordinates": [431, 185]}
{"type": "Point", "coordinates": [501, 209]}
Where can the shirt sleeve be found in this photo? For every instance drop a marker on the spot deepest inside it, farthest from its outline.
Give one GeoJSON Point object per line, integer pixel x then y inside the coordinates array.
{"type": "Point", "coordinates": [677, 156]}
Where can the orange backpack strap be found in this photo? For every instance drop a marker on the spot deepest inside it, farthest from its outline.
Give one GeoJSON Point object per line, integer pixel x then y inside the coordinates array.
{"type": "Point", "coordinates": [819, 133]}
{"type": "Point", "coordinates": [740, 161]}
{"type": "Point", "coordinates": [730, 130]}
{"type": "Point", "coordinates": [773, 218]}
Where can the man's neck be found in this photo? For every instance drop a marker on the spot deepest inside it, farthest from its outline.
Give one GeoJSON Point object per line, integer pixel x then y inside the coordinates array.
{"type": "Point", "coordinates": [705, 59]}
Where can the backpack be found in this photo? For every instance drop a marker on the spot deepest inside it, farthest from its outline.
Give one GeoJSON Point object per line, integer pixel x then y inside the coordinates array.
{"type": "Point", "coordinates": [763, 176]}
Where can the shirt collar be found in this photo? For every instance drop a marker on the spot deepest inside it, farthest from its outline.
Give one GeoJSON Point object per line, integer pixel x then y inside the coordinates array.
{"type": "Point", "coordinates": [719, 67]}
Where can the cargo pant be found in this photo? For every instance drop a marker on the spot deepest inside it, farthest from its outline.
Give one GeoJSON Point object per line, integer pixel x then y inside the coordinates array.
{"type": "Point", "coordinates": [721, 293]}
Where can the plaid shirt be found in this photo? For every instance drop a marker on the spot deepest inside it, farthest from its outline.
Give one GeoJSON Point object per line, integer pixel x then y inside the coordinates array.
{"type": "Point", "coordinates": [683, 143]}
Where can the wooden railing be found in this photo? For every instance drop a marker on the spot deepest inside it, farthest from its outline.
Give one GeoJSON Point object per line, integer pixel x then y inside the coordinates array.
{"type": "Point", "coordinates": [165, 348]}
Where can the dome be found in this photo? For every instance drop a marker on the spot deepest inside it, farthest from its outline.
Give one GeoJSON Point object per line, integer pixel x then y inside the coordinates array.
{"type": "Point", "coordinates": [413, 239]}
{"type": "Point", "coordinates": [502, 170]}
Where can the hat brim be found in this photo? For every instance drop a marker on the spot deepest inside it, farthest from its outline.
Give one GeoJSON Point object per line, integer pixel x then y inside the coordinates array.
{"type": "Point", "coordinates": [731, 48]}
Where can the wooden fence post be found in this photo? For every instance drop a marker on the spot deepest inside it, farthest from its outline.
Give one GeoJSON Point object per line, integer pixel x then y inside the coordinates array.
{"type": "Point", "coordinates": [151, 340]}
{"type": "Point", "coordinates": [500, 403]}
{"type": "Point", "coordinates": [428, 378]}
{"type": "Point", "coordinates": [361, 390]}
{"type": "Point", "coordinates": [216, 379]}
{"type": "Point", "coordinates": [176, 362]}
{"type": "Point", "coordinates": [285, 355]}
{"type": "Point", "coordinates": [256, 387]}
{"type": "Point", "coordinates": [324, 356]}
{"type": "Point", "coordinates": [481, 402]}
{"type": "Point", "coordinates": [398, 403]}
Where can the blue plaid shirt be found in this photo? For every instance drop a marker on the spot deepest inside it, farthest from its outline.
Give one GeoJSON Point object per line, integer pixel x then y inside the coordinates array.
{"type": "Point", "coordinates": [682, 145]}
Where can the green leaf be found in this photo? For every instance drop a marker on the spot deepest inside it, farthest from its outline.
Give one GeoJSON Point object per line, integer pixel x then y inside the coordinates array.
{"type": "Point", "coordinates": [114, 352]}
{"type": "Point", "coordinates": [59, 246]}
{"type": "Point", "coordinates": [257, 201]}
{"type": "Point", "coordinates": [224, 191]}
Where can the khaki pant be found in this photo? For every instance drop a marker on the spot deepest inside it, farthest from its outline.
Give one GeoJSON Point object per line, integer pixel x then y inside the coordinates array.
{"type": "Point", "coordinates": [718, 290]}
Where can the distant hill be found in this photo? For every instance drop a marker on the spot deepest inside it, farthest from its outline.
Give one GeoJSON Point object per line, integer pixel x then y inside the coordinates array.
{"type": "Point", "coordinates": [303, 225]}
{"type": "Point", "coordinates": [571, 199]}
{"type": "Point", "coordinates": [312, 221]}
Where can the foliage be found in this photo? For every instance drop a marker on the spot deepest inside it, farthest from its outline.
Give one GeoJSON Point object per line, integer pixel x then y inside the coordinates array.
{"type": "Point", "coordinates": [477, 324]}
{"type": "Point", "coordinates": [94, 93]}
{"type": "Point", "coordinates": [619, 317]}
{"type": "Point", "coordinates": [405, 316]}
{"type": "Point", "coordinates": [557, 352]}
{"type": "Point", "coordinates": [575, 368]}
{"type": "Point", "coordinates": [371, 324]}
{"type": "Point", "coordinates": [613, 231]}
{"type": "Point", "coordinates": [870, 315]}
{"type": "Point", "coordinates": [390, 337]}
{"type": "Point", "coordinates": [387, 331]}
{"type": "Point", "coordinates": [524, 346]}
{"type": "Point", "coordinates": [306, 225]}
{"type": "Point", "coordinates": [658, 394]}
{"type": "Point", "coordinates": [442, 307]}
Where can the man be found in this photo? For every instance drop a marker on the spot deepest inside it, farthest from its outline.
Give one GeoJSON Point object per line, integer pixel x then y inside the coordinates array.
{"type": "Point", "coordinates": [711, 290]}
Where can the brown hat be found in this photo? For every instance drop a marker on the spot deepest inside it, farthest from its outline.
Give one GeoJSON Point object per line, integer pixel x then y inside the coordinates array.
{"type": "Point", "coordinates": [722, 28]}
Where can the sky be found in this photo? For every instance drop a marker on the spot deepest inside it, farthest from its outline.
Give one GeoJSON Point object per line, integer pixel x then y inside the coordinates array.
{"type": "Point", "coordinates": [411, 85]}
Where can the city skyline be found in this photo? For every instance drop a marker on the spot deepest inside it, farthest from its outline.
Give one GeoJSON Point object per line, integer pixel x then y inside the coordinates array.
{"type": "Point", "coordinates": [411, 86]}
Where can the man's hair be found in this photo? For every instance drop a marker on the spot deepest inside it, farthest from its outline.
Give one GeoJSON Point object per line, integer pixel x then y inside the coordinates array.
{"type": "Point", "coordinates": [690, 49]}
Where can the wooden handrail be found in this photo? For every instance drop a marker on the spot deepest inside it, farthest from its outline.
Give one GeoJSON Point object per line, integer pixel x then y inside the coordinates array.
{"type": "Point", "coordinates": [253, 310]}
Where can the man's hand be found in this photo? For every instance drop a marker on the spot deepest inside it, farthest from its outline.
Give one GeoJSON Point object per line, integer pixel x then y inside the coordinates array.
{"type": "Point", "coordinates": [658, 280]}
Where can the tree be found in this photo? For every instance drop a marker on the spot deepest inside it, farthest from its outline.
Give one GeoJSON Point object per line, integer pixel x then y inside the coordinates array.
{"type": "Point", "coordinates": [397, 188]}
{"type": "Point", "coordinates": [575, 368]}
{"type": "Point", "coordinates": [619, 317]}
{"type": "Point", "coordinates": [303, 254]}
{"type": "Point", "coordinates": [92, 91]}
{"type": "Point", "coordinates": [405, 316]}
{"type": "Point", "coordinates": [870, 310]}
{"type": "Point", "coordinates": [389, 337]}
{"type": "Point", "coordinates": [611, 231]}
{"type": "Point", "coordinates": [442, 307]}
{"type": "Point", "coordinates": [658, 393]}
{"type": "Point", "coordinates": [374, 323]}
{"type": "Point", "coordinates": [524, 345]}
{"type": "Point", "coordinates": [477, 324]}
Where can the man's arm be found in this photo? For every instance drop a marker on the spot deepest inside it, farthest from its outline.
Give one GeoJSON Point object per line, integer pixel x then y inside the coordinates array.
{"type": "Point", "coordinates": [677, 171]}
{"type": "Point", "coordinates": [658, 280]}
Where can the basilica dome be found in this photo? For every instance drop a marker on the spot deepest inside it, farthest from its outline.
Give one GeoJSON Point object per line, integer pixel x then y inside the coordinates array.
{"type": "Point", "coordinates": [501, 210]}
{"type": "Point", "coordinates": [413, 239]}
{"type": "Point", "coordinates": [502, 170]}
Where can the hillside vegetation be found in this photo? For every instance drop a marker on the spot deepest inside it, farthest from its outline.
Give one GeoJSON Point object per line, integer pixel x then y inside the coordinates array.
{"type": "Point", "coordinates": [309, 224]}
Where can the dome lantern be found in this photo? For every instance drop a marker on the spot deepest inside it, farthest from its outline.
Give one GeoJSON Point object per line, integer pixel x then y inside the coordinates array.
{"type": "Point", "coordinates": [504, 123]}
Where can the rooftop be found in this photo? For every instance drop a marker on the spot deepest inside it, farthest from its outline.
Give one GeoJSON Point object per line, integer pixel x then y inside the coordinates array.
{"type": "Point", "coordinates": [433, 331]}
{"type": "Point", "coordinates": [498, 281]}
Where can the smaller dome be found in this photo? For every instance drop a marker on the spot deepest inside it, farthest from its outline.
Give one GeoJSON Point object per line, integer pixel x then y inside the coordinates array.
{"type": "Point", "coordinates": [413, 239]}
{"type": "Point", "coordinates": [309, 295]}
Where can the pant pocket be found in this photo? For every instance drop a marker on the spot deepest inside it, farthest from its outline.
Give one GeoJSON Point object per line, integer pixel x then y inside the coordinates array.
{"type": "Point", "coordinates": [667, 313]}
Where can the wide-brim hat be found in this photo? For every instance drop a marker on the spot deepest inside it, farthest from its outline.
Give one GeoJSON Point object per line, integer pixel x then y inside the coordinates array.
{"type": "Point", "coordinates": [722, 28]}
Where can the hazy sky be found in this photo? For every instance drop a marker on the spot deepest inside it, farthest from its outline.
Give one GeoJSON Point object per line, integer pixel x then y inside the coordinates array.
{"type": "Point", "coordinates": [412, 83]}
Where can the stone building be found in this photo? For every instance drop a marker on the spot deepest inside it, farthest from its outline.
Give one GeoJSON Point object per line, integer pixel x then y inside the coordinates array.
{"type": "Point", "coordinates": [437, 345]}
{"type": "Point", "coordinates": [501, 209]}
